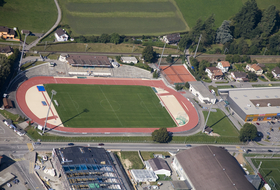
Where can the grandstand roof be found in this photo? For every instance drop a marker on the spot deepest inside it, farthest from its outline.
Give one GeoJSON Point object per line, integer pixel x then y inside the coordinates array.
{"type": "Point", "coordinates": [211, 167]}
{"type": "Point", "coordinates": [88, 60]}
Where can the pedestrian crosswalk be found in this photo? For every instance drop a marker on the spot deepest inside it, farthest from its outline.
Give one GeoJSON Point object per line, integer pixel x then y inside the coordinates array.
{"type": "Point", "coordinates": [30, 147]}
{"type": "Point", "coordinates": [239, 149]}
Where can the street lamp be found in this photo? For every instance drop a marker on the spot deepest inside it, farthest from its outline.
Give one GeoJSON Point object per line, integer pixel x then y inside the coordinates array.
{"type": "Point", "coordinates": [22, 51]}
{"type": "Point", "coordinates": [53, 93]}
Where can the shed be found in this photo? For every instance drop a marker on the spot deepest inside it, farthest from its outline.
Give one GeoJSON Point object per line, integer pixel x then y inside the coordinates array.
{"type": "Point", "coordinates": [7, 103]}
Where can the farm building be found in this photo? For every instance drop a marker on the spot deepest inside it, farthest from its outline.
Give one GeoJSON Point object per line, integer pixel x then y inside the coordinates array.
{"type": "Point", "coordinates": [7, 50]}
{"type": "Point", "coordinates": [143, 175]}
{"type": "Point", "coordinates": [159, 166]}
{"type": "Point", "coordinates": [171, 38]}
{"type": "Point", "coordinates": [86, 168]}
{"type": "Point", "coordinates": [7, 103]}
{"type": "Point", "coordinates": [201, 92]}
{"type": "Point", "coordinates": [255, 104]}
{"type": "Point", "coordinates": [86, 60]}
{"type": "Point", "coordinates": [129, 60]}
{"type": "Point", "coordinates": [61, 35]}
{"type": "Point", "coordinates": [210, 167]}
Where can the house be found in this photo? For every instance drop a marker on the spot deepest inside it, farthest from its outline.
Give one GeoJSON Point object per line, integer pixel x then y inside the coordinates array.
{"type": "Point", "coordinates": [214, 73]}
{"type": "Point", "coordinates": [239, 76]}
{"type": "Point", "coordinates": [143, 175]}
{"type": "Point", "coordinates": [7, 33]}
{"type": "Point", "coordinates": [7, 50]}
{"type": "Point", "coordinates": [208, 130]}
{"type": "Point", "coordinates": [171, 38]}
{"type": "Point", "coordinates": [7, 103]}
{"type": "Point", "coordinates": [25, 32]}
{"type": "Point", "coordinates": [129, 60]}
{"type": "Point", "coordinates": [159, 166]}
{"type": "Point", "coordinates": [276, 72]}
{"type": "Point", "coordinates": [210, 167]}
{"type": "Point", "coordinates": [224, 66]}
{"type": "Point", "coordinates": [254, 68]}
{"type": "Point", "coordinates": [201, 92]}
{"type": "Point", "coordinates": [61, 35]}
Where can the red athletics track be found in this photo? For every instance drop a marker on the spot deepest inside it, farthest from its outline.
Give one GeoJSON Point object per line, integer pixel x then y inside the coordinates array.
{"type": "Point", "coordinates": [20, 97]}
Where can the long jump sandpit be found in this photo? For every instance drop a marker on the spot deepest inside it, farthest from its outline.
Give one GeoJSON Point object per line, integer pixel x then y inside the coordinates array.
{"type": "Point", "coordinates": [179, 108]}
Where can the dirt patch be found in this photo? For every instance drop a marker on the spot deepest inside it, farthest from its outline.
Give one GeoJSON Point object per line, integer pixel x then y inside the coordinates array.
{"type": "Point", "coordinates": [239, 157]}
{"type": "Point", "coordinates": [126, 163]}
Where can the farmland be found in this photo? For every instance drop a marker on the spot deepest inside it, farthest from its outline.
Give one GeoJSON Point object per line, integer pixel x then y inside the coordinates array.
{"type": "Point", "coordinates": [109, 106]}
{"type": "Point", "coordinates": [124, 17]}
{"type": "Point", "coordinates": [33, 15]}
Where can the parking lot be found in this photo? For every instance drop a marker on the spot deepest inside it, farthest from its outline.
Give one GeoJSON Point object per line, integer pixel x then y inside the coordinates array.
{"type": "Point", "coordinates": [269, 131]}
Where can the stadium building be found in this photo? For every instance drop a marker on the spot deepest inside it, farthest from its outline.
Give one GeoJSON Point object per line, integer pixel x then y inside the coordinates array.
{"type": "Point", "coordinates": [210, 167]}
{"type": "Point", "coordinates": [87, 168]}
{"type": "Point", "coordinates": [255, 104]}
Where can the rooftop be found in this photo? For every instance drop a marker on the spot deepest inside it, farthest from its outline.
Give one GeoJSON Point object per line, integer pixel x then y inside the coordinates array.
{"type": "Point", "coordinates": [8, 30]}
{"type": "Point", "coordinates": [239, 74]}
{"type": "Point", "coordinates": [128, 58]}
{"type": "Point", "coordinates": [276, 70]}
{"type": "Point", "coordinates": [6, 49]}
{"type": "Point", "coordinates": [199, 86]}
{"type": "Point", "coordinates": [158, 164]}
{"type": "Point", "coordinates": [225, 63]}
{"type": "Point", "coordinates": [215, 71]}
{"type": "Point", "coordinates": [60, 32]}
{"type": "Point", "coordinates": [211, 167]}
{"type": "Point", "coordinates": [247, 100]}
{"type": "Point", "coordinates": [88, 60]}
{"type": "Point", "coordinates": [173, 37]}
{"type": "Point", "coordinates": [256, 67]}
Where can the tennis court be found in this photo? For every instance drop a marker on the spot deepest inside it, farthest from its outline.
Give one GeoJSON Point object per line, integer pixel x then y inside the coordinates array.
{"type": "Point", "coordinates": [177, 74]}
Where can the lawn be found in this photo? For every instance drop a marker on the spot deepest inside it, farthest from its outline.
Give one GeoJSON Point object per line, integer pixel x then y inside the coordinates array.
{"type": "Point", "coordinates": [269, 170]}
{"type": "Point", "coordinates": [109, 106]}
{"type": "Point", "coordinates": [31, 64]}
{"type": "Point", "coordinates": [124, 17]}
{"type": "Point", "coordinates": [220, 124]}
{"type": "Point", "coordinates": [149, 155]}
{"type": "Point", "coordinates": [33, 15]}
{"type": "Point", "coordinates": [133, 157]}
{"type": "Point", "coordinates": [266, 85]}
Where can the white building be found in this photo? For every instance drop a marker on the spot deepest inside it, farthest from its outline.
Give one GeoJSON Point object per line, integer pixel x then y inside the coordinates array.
{"type": "Point", "coordinates": [214, 73]}
{"type": "Point", "coordinates": [254, 68]}
{"type": "Point", "coordinates": [63, 57]}
{"type": "Point", "coordinates": [143, 175]}
{"type": "Point", "coordinates": [276, 72]}
{"type": "Point", "coordinates": [61, 35]}
{"type": "Point", "coordinates": [224, 66]}
{"type": "Point", "coordinates": [201, 92]}
{"type": "Point", "coordinates": [159, 166]}
{"type": "Point", "coordinates": [129, 60]}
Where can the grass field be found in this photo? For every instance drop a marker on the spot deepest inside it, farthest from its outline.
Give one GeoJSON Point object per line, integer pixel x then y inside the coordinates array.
{"type": "Point", "coordinates": [269, 170]}
{"type": "Point", "coordinates": [223, 9]}
{"type": "Point", "coordinates": [33, 15]}
{"type": "Point", "coordinates": [133, 157]}
{"type": "Point", "coordinates": [109, 106]}
{"type": "Point", "coordinates": [127, 17]}
{"type": "Point", "coordinates": [220, 124]}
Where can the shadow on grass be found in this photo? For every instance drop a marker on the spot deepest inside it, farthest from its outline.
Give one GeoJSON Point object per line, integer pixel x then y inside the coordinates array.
{"type": "Point", "coordinates": [63, 122]}
{"type": "Point", "coordinates": [218, 121]}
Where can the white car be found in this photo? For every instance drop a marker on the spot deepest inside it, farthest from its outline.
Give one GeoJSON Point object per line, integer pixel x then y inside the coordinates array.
{"type": "Point", "coordinates": [9, 185]}
{"type": "Point", "coordinates": [6, 123]}
{"type": "Point", "coordinates": [45, 158]}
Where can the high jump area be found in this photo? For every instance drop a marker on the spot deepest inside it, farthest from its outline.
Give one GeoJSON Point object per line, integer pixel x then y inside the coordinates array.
{"type": "Point", "coordinates": [34, 101]}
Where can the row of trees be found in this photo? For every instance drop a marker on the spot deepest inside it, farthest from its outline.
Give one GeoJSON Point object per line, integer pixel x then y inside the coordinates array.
{"type": "Point", "coordinates": [6, 64]}
{"type": "Point", "coordinates": [104, 38]}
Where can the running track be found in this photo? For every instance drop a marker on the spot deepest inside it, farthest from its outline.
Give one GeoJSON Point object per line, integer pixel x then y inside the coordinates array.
{"type": "Point", "coordinates": [20, 98]}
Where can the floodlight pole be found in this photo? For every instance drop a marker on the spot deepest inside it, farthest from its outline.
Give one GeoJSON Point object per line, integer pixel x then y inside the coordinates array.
{"type": "Point", "coordinates": [53, 93]}
{"type": "Point", "coordinates": [161, 56]}
{"type": "Point", "coordinates": [203, 130]}
{"type": "Point", "coordinates": [197, 46]}
{"type": "Point", "coordinates": [258, 169]}
{"type": "Point", "coordinates": [22, 51]}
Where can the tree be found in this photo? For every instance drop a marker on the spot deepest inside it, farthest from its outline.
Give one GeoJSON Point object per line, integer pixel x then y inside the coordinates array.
{"type": "Point", "coordinates": [248, 132]}
{"type": "Point", "coordinates": [223, 33]}
{"type": "Point", "coordinates": [178, 87]}
{"type": "Point", "coordinates": [155, 74]}
{"type": "Point", "coordinates": [160, 135]}
{"type": "Point", "coordinates": [252, 76]}
{"type": "Point", "coordinates": [187, 85]}
{"type": "Point", "coordinates": [104, 38]}
{"type": "Point", "coordinates": [184, 42]}
{"type": "Point", "coordinates": [148, 53]}
{"type": "Point", "coordinates": [115, 38]}
{"type": "Point", "coordinates": [83, 39]}
{"type": "Point", "coordinates": [169, 59]}
{"type": "Point", "coordinates": [268, 20]}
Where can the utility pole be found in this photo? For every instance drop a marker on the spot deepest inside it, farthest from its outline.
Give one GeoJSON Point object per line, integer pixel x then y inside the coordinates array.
{"type": "Point", "coordinates": [197, 46]}
{"type": "Point", "coordinates": [161, 56]}
{"type": "Point", "coordinates": [22, 51]}
{"type": "Point", "coordinates": [226, 49]}
{"type": "Point", "coordinates": [264, 50]}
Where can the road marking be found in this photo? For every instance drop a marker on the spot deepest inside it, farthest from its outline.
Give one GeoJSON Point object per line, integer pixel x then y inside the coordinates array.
{"type": "Point", "coordinates": [240, 150]}
{"type": "Point", "coordinates": [30, 147]}
{"type": "Point", "coordinates": [19, 159]}
{"type": "Point", "coordinates": [238, 147]}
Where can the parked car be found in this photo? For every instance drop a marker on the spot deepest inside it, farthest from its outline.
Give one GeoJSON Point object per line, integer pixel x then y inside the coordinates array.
{"type": "Point", "coordinates": [5, 122]}
{"type": "Point", "coordinates": [37, 143]}
{"type": "Point", "coordinates": [273, 122]}
{"type": "Point", "coordinates": [269, 122]}
{"type": "Point", "coordinates": [101, 144]}
{"type": "Point", "coordinates": [188, 145]}
{"type": "Point", "coordinates": [70, 144]}
{"type": "Point", "coordinates": [258, 123]}
{"type": "Point", "coordinates": [9, 185]}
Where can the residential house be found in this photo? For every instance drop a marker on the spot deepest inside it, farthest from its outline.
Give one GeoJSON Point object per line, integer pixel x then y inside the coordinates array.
{"type": "Point", "coordinates": [239, 76]}
{"type": "Point", "coordinates": [7, 33]}
{"type": "Point", "coordinates": [224, 66]}
{"type": "Point", "coordinates": [254, 68]}
{"type": "Point", "coordinates": [214, 73]}
{"type": "Point", "coordinates": [276, 72]}
{"type": "Point", "coordinates": [61, 35]}
{"type": "Point", "coordinates": [159, 166]}
{"type": "Point", "coordinates": [172, 38]}
{"type": "Point", "coordinates": [129, 60]}
{"type": "Point", "coordinates": [7, 50]}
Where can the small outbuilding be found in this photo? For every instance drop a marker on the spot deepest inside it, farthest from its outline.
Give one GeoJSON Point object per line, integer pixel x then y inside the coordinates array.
{"type": "Point", "coordinates": [129, 60]}
{"type": "Point", "coordinates": [159, 166]}
{"type": "Point", "coordinates": [7, 103]}
{"type": "Point", "coordinates": [143, 175]}
{"type": "Point", "coordinates": [201, 92]}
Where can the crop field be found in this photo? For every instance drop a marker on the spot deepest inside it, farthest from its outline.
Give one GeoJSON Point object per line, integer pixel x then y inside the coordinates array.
{"type": "Point", "coordinates": [192, 10]}
{"type": "Point", "coordinates": [127, 17]}
{"type": "Point", "coordinates": [269, 170]}
{"type": "Point", "coordinates": [36, 16]}
{"type": "Point", "coordinates": [109, 106]}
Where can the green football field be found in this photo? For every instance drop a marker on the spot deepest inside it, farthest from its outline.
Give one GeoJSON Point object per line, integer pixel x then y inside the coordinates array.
{"type": "Point", "coordinates": [129, 17]}
{"type": "Point", "coordinates": [270, 170]}
{"type": "Point", "coordinates": [109, 106]}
